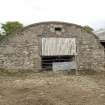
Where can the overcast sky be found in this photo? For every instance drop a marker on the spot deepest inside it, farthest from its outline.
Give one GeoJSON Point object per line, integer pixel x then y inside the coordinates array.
{"type": "Point", "coordinates": [83, 12]}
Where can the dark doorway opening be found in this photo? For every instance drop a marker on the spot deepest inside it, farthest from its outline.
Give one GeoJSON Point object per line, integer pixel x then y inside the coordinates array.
{"type": "Point", "coordinates": [47, 61]}
{"type": "Point", "coordinates": [103, 43]}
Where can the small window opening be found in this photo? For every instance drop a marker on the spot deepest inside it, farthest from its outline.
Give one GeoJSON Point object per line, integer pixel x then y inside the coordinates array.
{"type": "Point", "coordinates": [58, 29]}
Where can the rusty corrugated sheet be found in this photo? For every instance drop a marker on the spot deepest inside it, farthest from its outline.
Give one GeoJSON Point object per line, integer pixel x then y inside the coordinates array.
{"type": "Point", "coordinates": [58, 46]}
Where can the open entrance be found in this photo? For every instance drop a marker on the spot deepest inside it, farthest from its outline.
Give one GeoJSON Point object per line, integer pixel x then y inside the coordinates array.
{"type": "Point", "coordinates": [58, 53]}
{"type": "Point", "coordinates": [103, 43]}
{"type": "Point", "coordinates": [56, 63]}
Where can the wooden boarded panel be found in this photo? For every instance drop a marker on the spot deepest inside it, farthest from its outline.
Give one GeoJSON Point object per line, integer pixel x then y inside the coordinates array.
{"type": "Point", "coordinates": [58, 46]}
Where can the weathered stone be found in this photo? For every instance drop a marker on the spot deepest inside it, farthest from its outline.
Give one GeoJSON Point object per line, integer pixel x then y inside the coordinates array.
{"type": "Point", "coordinates": [22, 51]}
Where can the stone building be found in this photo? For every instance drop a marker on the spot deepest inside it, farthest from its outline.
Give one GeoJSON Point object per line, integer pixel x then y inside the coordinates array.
{"type": "Point", "coordinates": [52, 46]}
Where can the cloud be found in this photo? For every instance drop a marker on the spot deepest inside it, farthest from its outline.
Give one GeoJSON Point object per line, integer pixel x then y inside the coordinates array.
{"type": "Point", "coordinates": [82, 12]}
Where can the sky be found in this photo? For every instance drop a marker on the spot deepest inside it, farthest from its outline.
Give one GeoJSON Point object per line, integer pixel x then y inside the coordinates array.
{"type": "Point", "coordinates": [82, 12]}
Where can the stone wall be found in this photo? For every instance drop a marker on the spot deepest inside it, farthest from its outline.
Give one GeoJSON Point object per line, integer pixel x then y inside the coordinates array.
{"type": "Point", "coordinates": [22, 51]}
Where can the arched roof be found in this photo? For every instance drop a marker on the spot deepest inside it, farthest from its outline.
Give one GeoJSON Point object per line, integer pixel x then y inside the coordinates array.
{"type": "Point", "coordinates": [48, 22]}
{"type": "Point", "coordinates": [52, 22]}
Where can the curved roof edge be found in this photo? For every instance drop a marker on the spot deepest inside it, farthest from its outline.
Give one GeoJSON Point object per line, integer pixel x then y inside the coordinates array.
{"type": "Point", "coordinates": [57, 22]}
{"type": "Point", "coordinates": [51, 22]}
